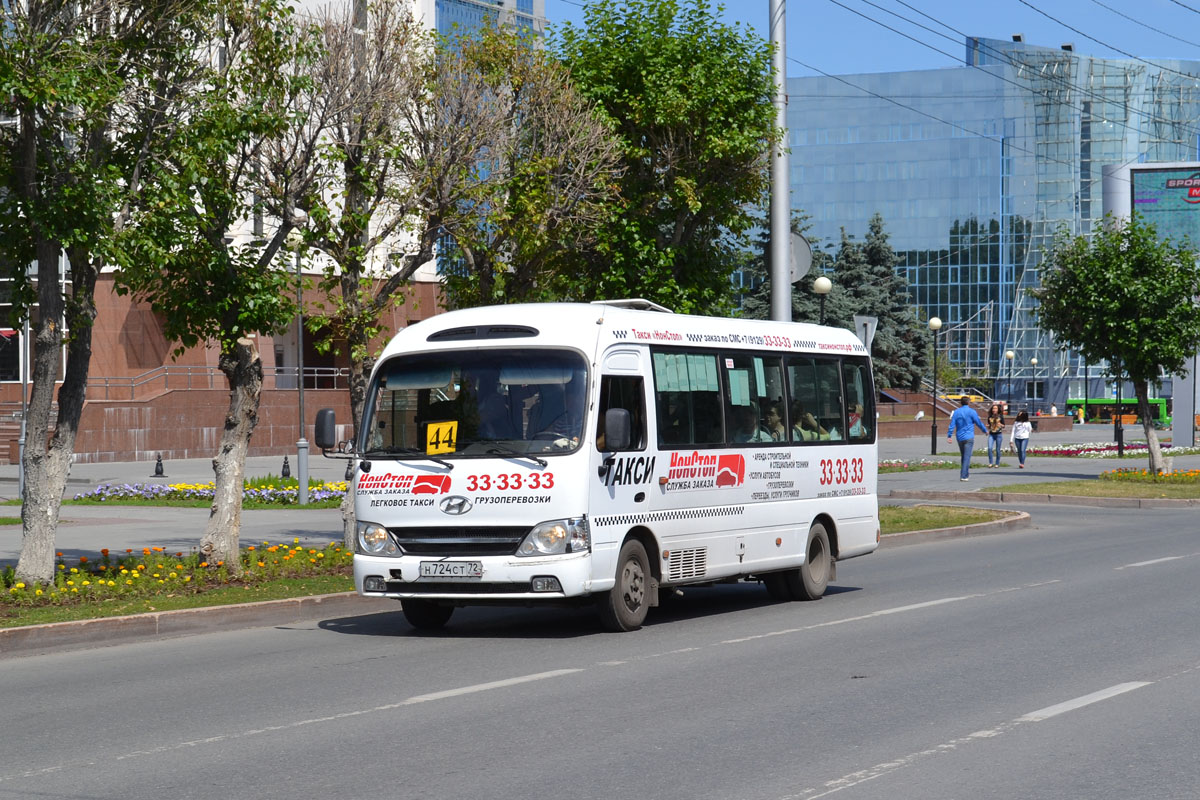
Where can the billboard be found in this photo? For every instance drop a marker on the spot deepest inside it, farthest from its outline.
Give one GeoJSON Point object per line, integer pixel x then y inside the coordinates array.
{"type": "Point", "coordinates": [1169, 199]}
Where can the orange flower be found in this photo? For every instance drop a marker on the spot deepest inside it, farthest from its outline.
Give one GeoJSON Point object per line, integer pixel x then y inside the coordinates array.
{"type": "Point", "coordinates": [104, 551]}
{"type": "Point", "coordinates": [83, 559]}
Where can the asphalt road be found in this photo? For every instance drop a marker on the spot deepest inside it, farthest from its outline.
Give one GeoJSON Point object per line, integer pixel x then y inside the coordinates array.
{"type": "Point", "coordinates": [1058, 661]}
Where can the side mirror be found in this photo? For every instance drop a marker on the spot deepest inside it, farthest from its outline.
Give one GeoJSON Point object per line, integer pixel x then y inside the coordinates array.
{"type": "Point", "coordinates": [324, 431]}
{"type": "Point", "coordinates": [618, 429]}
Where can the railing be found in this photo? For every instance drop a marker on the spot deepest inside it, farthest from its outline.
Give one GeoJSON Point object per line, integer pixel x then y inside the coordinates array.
{"type": "Point", "coordinates": [175, 377]}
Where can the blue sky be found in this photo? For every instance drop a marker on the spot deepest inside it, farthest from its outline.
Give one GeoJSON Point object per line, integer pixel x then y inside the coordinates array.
{"type": "Point", "coordinates": [830, 36]}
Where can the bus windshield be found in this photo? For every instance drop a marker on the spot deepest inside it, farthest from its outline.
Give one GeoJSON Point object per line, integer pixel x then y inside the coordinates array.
{"type": "Point", "coordinates": [477, 403]}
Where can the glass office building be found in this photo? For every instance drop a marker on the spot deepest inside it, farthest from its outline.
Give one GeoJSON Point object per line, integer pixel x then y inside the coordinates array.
{"type": "Point", "coordinates": [974, 169]}
{"type": "Point", "coordinates": [456, 16]}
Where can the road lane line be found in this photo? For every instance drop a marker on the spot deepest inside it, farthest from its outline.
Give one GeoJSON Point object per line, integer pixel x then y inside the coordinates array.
{"type": "Point", "coordinates": [1080, 702]}
{"type": "Point", "coordinates": [1154, 561]}
{"type": "Point", "coordinates": [859, 777]}
{"type": "Point", "coordinates": [228, 737]}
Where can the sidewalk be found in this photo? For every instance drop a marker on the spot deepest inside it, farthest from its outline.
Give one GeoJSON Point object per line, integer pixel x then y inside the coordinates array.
{"type": "Point", "coordinates": [85, 529]}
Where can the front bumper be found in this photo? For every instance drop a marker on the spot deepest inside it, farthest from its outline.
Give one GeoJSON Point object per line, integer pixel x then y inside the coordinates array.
{"type": "Point", "coordinates": [505, 578]}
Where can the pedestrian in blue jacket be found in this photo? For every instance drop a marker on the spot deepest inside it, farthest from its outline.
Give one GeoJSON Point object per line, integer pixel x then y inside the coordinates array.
{"type": "Point", "coordinates": [963, 423]}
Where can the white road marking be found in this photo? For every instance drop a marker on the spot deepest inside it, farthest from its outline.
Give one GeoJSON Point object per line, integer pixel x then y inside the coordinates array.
{"type": "Point", "coordinates": [1080, 702]}
{"type": "Point", "coordinates": [879, 770]}
{"type": "Point", "coordinates": [1155, 561]}
{"type": "Point", "coordinates": [226, 737]}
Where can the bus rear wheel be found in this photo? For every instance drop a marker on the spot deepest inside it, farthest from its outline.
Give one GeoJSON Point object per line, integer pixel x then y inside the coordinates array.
{"type": "Point", "coordinates": [810, 581]}
{"type": "Point", "coordinates": [425, 615]}
{"type": "Point", "coordinates": [624, 607]}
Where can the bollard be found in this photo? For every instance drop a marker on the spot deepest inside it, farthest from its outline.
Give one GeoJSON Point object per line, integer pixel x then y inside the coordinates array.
{"type": "Point", "coordinates": [286, 472]}
{"type": "Point", "coordinates": [158, 468]}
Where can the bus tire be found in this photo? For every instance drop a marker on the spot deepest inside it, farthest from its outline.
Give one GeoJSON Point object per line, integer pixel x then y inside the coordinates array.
{"type": "Point", "coordinates": [425, 615]}
{"type": "Point", "coordinates": [810, 581]}
{"type": "Point", "coordinates": [624, 607]}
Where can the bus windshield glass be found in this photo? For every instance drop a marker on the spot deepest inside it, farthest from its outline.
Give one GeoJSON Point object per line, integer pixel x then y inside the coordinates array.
{"type": "Point", "coordinates": [477, 403]}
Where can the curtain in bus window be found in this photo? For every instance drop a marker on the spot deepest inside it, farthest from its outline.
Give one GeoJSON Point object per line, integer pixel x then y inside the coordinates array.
{"type": "Point", "coordinates": [687, 395]}
{"type": "Point", "coordinates": [860, 404]}
{"type": "Point", "coordinates": [816, 397]}
{"type": "Point", "coordinates": [754, 401]}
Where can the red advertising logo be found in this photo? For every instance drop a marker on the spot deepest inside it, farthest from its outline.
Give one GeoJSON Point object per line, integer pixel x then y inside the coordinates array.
{"type": "Point", "coordinates": [431, 484]}
{"type": "Point", "coordinates": [731, 470]}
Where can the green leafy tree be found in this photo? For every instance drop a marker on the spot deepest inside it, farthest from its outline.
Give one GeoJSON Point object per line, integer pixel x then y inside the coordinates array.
{"type": "Point", "coordinates": [690, 99]}
{"type": "Point", "coordinates": [864, 281]}
{"type": "Point", "coordinates": [1128, 298]}
{"type": "Point", "coordinates": [84, 86]}
{"type": "Point", "coordinates": [209, 285]}
{"type": "Point", "coordinates": [542, 178]}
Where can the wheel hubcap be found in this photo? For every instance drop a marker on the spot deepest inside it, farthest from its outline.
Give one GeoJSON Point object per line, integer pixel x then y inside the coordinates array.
{"type": "Point", "coordinates": [633, 585]}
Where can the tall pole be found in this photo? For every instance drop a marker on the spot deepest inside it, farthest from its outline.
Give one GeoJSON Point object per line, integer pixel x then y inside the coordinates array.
{"type": "Point", "coordinates": [935, 325]}
{"type": "Point", "coordinates": [301, 443]}
{"type": "Point", "coordinates": [1118, 429]}
{"type": "Point", "coordinates": [781, 227]}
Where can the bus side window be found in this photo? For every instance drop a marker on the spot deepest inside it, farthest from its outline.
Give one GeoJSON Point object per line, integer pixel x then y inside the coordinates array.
{"type": "Point", "coordinates": [860, 397]}
{"type": "Point", "coordinates": [623, 391]}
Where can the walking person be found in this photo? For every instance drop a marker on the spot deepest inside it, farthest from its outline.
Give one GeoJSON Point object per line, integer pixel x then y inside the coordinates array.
{"type": "Point", "coordinates": [963, 423]}
{"type": "Point", "coordinates": [1019, 437]}
{"type": "Point", "coordinates": [995, 428]}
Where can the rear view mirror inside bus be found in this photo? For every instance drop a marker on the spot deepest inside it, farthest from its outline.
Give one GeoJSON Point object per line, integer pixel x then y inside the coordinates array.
{"type": "Point", "coordinates": [419, 377]}
{"type": "Point", "coordinates": [530, 374]}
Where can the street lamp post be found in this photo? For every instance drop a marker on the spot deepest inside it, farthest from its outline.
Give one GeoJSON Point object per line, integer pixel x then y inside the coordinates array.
{"type": "Point", "coordinates": [935, 325]}
{"type": "Point", "coordinates": [1010, 355]}
{"type": "Point", "coordinates": [301, 443]}
{"type": "Point", "coordinates": [821, 287]}
{"type": "Point", "coordinates": [1118, 426]}
{"type": "Point", "coordinates": [1033, 363]}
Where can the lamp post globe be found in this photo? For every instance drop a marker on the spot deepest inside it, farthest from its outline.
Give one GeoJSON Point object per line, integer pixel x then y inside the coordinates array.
{"type": "Point", "coordinates": [822, 287]}
{"type": "Point", "coordinates": [935, 325]}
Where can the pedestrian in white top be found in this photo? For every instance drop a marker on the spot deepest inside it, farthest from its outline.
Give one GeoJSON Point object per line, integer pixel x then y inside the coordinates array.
{"type": "Point", "coordinates": [1019, 436]}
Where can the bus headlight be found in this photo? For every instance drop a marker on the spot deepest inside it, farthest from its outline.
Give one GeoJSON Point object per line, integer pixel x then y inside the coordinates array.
{"type": "Point", "coordinates": [557, 536]}
{"type": "Point", "coordinates": [374, 540]}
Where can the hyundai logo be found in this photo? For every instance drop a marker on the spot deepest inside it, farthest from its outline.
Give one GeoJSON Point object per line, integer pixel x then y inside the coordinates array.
{"type": "Point", "coordinates": [455, 504]}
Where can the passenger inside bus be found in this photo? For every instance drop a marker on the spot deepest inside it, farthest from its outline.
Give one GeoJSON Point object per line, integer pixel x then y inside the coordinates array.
{"type": "Point", "coordinates": [746, 427]}
{"type": "Point", "coordinates": [805, 427]}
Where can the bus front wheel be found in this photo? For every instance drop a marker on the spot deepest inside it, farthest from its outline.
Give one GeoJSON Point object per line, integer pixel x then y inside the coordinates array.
{"type": "Point", "coordinates": [624, 607]}
{"type": "Point", "coordinates": [810, 581]}
{"type": "Point", "coordinates": [425, 615]}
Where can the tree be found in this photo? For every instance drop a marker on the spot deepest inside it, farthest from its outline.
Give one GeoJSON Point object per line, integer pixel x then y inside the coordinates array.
{"type": "Point", "coordinates": [1128, 298]}
{"type": "Point", "coordinates": [690, 99]}
{"type": "Point", "coordinates": [542, 181]}
{"type": "Point", "coordinates": [84, 83]}
{"type": "Point", "coordinates": [865, 281]}
{"type": "Point", "coordinates": [209, 285]}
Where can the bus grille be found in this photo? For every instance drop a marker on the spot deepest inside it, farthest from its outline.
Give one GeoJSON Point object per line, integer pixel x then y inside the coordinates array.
{"type": "Point", "coordinates": [684, 564]}
{"type": "Point", "coordinates": [459, 540]}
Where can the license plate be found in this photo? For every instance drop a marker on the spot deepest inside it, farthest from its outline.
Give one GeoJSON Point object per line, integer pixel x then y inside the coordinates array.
{"type": "Point", "coordinates": [452, 570]}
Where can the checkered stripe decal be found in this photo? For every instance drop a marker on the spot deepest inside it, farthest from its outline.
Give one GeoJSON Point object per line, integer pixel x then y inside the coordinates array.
{"type": "Point", "coordinates": [669, 516]}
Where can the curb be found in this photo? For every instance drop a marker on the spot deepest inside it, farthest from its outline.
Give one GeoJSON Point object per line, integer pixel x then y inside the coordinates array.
{"type": "Point", "coordinates": [1019, 519]}
{"type": "Point", "coordinates": [61, 636]}
{"type": "Point", "coordinates": [1029, 497]}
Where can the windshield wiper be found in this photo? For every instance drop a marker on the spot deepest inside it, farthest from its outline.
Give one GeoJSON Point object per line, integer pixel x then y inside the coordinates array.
{"type": "Point", "coordinates": [407, 451]}
{"type": "Point", "coordinates": [504, 449]}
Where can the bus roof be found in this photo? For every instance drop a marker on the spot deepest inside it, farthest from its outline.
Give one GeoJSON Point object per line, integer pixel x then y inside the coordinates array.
{"type": "Point", "coordinates": [586, 325]}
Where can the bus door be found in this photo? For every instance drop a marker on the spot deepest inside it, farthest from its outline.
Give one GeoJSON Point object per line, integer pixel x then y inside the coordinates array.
{"type": "Point", "coordinates": [621, 481]}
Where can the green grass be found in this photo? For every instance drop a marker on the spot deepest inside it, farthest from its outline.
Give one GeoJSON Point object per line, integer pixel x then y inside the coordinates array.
{"type": "Point", "coordinates": [901, 519]}
{"type": "Point", "coordinates": [1099, 488]}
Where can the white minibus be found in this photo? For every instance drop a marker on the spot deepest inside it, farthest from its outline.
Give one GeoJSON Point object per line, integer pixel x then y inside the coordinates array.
{"type": "Point", "coordinates": [608, 453]}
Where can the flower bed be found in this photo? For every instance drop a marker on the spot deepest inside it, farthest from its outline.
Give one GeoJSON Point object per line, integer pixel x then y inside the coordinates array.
{"type": "Point", "coordinates": [267, 494]}
{"type": "Point", "coordinates": [152, 571]}
{"type": "Point", "coordinates": [1189, 477]}
{"type": "Point", "coordinates": [1104, 450]}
